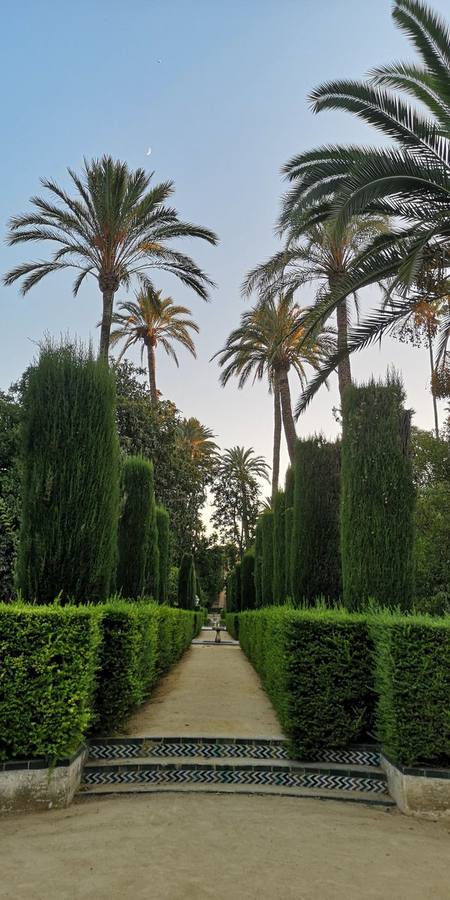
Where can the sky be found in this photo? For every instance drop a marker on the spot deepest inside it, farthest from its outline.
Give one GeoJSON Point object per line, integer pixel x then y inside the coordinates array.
{"type": "Point", "coordinates": [218, 89]}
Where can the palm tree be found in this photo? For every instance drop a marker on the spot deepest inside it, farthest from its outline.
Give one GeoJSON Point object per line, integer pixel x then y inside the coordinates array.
{"type": "Point", "coordinates": [199, 441]}
{"type": "Point", "coordinates": [408, 181]}
{"type": "Point", "coordinates": [115, 227]}
{"type": "Point", "coordinates": [241, 469]}
{"type": "Point", "coordinates": [268, 343]}
{"type": "Point", "coordinates": [317, 253]}
{"type": "Point", "coordinates": [149, 321]}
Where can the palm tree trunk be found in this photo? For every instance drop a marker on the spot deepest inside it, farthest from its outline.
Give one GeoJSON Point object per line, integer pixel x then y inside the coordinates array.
{"type": "Point", "coordinates": [276, 439]}
{"type": "Point", "coordinates": [105, 330]}
{"type": "Point", "coordinates": [344, 370]}
{"type": "Point", "coordinates": [152, 374]}
{"type": "Point", "coordinates": [286, 410]}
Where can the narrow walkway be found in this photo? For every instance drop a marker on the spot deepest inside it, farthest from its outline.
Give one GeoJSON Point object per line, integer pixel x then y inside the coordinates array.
{"type": "Point", "coordinates": [212, 692]}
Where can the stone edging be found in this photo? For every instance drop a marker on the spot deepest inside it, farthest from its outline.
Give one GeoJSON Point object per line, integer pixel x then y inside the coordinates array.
{"type": "Point", "coordinates": [418, 791]}
{"type": "Point", "coordinates": [27, 785]}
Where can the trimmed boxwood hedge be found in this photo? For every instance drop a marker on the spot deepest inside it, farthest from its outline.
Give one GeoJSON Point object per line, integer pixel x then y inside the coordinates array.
{"type": "Point", "coordinates": [48, 657]}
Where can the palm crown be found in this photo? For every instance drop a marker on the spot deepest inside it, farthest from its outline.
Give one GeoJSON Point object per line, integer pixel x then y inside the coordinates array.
{"type": "Point", "coordinates": [115, 227]}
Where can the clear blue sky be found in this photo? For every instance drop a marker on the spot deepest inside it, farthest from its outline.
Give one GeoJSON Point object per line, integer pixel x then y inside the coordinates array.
{"type": "Point", "coordinates": [222, 111]}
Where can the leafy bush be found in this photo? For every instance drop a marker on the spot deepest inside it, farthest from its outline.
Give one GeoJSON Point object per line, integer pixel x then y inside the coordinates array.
{"type": "Point", "coordinates": [413, 685]}
{"type": "Point", "coordinates": [377, 506]}
{"type": "Point", "coordinates": [162, 522]}
{"type": "Point", "coordinates": [267, 521]}
{"type": "Point", "coordinates": [136, 527]}
{"type": "Point", "coordinates": [279, 548]}
{"type": "Point", "coordinates": [248, 580]}
{"type": "Point", "coordinates": [70, 456]}
{"type": "Point", "coordinates": [315, 550]}
{"type": "Point", "coordinates": [48, 658]}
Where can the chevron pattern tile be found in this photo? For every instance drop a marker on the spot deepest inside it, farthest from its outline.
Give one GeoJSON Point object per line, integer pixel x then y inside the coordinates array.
{"type": "Point", "coordinates": [351, 757]}
{"type": "Point", "coordinates": [196, 749]}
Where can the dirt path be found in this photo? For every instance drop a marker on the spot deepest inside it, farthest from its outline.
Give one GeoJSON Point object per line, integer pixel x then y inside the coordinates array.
{"type": "Point", "coordinates": [212, 692]}
{"type": "Point", "coordinates": [193, 847]}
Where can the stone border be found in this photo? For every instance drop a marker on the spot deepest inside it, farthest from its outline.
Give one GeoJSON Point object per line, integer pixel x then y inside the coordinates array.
{"type": "Point", "coordinates": [27, 785]}
{"type": "Point", "coordinates": [418, 791]}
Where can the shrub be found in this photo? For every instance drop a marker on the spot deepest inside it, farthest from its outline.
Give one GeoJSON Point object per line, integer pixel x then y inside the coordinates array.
{"type": "Point", "coordinates": [413, 684]}
{"type": "Point", "coordinates": [288, 530]}
{"type": "Point", "coordinates": [279, 548]}
{"type": "Point", "coordinates": [174, 574]}
{"type": "Point", "coordinates": [248, 579]}
{"type": "Point", "coordinates": [377, 506]}
{"type": "Point", "coordinates": [315, 560]}
{"type": "Point", "coordinates": [232, 625]}
{"type": "Point", "coordinates": [48, 657]}
{"type": "Point", "coordinates": [162, 521]}
{"type": "Point", "coordinates": [267, 597]}
{"type": "Point", "coordinates": [70, 488]}
{"type": "Point", "coordinates": [186, 582]}
{"type": "Point", "coordinates": [432, 540]}
{"type": "Point", "coordinates": [258, 564]}
{"type": "Point", "coordinates": [153, 565]}
{"type": "Point", "coordinates": [135, 526]}
{"type": "Point", "coordinates": [316, 665]}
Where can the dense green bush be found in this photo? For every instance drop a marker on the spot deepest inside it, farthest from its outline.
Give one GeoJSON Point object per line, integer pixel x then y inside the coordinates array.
{"type": "Point", "coordinates": [135, 527]}
{"type": "Point", "coordinates": [288, 531]}
{"type": "Point", "coordinates": [413, 685]}
{"type": "Point", "coordinates": [48, 658]}
{"type": "Point", "coordinates": [316, 665]}
{"type": "Point", "coordinates": [315, 559]}
{"type": "Point", "coordinates": [258, 564]}
{"type": "Point", "coordinates": [186, 582]}
{"type": "Point", "coordinates": [153, 565]}
{"type": "Point", "coordinates": [377, 506]}
{"type": "Point", "coordinates": [232, 625]}
{"type": "Point", "coordinates": [267, 521]}
{"type": "Point", "coordinates": [432, 540]}
{"type": "Point", "coordinates": [70, 491]}
{"type": "Point", "coordinates": [248, 580]}
{"type": "Point", "coordinates": [162, 522]}
{"type": "Point", "coordinates": [279, 548]}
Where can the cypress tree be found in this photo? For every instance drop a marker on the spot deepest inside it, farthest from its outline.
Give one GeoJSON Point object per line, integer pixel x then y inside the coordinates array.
{"type": "Point", "coordinates": [152, 564]}
{"type": "Point", "coordinates": [238, 582]}
{"type": "Point", "coordinates": [231, 591]}
{"type": "Point", "coordinates": [267, 597]}
{"type": "Point", "coordinates": [135, 526]}
{"type": "Point", "coordinates": [377, 506]}
{"type": "Point", "coordinates": [315, 539]}
{"type": "Point", "coordinates": [279, 549]}
{"type": "Point", "coordinates": [248, 599]}
{"type": "Point", "coordinates": [186, 582]}
{"type": "Point", "coordinates": [288, 529]}
{"type": "Point", "coordinates": [162, 522]}
{"type": "Point", "coordinates": [289, 487]}
{"type": "Point", "coordinates": [258, 563]}
{"type": "Point", "coordinates": [70, 489]}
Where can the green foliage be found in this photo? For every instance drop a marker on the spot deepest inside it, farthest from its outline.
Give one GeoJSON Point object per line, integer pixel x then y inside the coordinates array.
{"type": "Point", "coordinates": [289, 487]}
{"type": "Point", "coordinates": [430, 458]}
{"type": "Point", "coordinates": [413, 684]}
{"type": "Point", "coordinates": [258, 563]}
{"type": "Point", "coordinates": [152, 568]}
{"type": "Point", "coordinates": [231, 591]}
{"type": "Point", "coordinates": [279, 548]}
{"type": "Point", "coordinates": [238, 582]}
{"type": "Point", "coordinates": [236, 491]}
{"type": "Point", "coordinates": [248, 598]}
{"type": "Point", "coordinates": [48, 659]}
{"type": "Point", "coordinates": [377, 507]}
{"type": "Point", "coordinates": [288, 531]}
{"type": "Point", "coordinates": [163, 525]}
{"type": "Point", "coordinates": [9, 491]}
{"type": "Point", "coordinates": [267, 519]}
{"type": "Point", "coordinates": [134, 527]}
{"type": "Point", "coordinates": [432, 540]}
{"type": "Point", "coordinates": [68, 535]}
{"type": "Point", "coordinates": [316, 665]}
{"type": "Point", "coordinates": [174, 574]}
{"type": "Point", "coordinates": [186, 582]}
{"type": "Point", "coordinates": [232, 625]}
{"type": "Point", "coordinates": [209, 565]}
{"type": "Point", "coordinates": [315, 556]}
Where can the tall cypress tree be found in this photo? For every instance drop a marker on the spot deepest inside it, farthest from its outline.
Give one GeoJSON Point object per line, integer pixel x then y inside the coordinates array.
{"type": "Point", "coordinates": [377, 510]}
{"type": "Point", "coordinates": [70, 490]}
{"type": "Point", "coordinates": [279, 549]}
{"type": "Point", "coordinates": [289, 489]}
{"type": "Point", "coordinates": [152, 567]}
{"type": "Point", "coordinates": [316, 570]}
{"type": "Point", "coordinates": [134, 527]}
{"type": "Point", "coordinates": [267, 597]}
{"type": "Point", "coordinates": [186, 582]}
{"type": "Point", "coordinates": [163, 525]}
{"type": "Point", "coordinates": [258, 563]}
{"type": "Point", "coordinates": [248, 598]}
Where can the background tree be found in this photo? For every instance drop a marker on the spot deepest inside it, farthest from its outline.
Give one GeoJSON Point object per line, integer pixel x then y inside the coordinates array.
{"type": "Point", "coordinates": [236, 493]}
{"type": "Point", "coordinates": [186, 582]}
{"type": "Point", "coordinates": [150, 321]}
{"type": "Point", "coordinates": [10, 414]}
{"type": "Point", "coordinates": [136, 527]}
{"type": "Point", "coordinates": [163, 526]}
{"type": "Point", "coordinates": [116, 226]}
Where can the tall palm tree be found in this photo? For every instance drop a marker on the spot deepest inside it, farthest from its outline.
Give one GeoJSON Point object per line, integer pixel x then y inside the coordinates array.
{"type": "Point", "coordinates": [151, 320]}
{"type": "Point", "coordinates": [114, 227]}
{"type": "Point", "coordinates": [318, 254]}
{"type": "Point", "coordinates": [241, 469]}
{"type": "Point", "coordinates": [409, 181]}
{"type": "Point", "coordinates": [199, 441]}
{"type": "Point", "coordinates": [268, 343]}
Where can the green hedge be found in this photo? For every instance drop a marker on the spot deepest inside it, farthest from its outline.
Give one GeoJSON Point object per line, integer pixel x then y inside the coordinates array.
{"type": "Point", "coordinates": [48, 657]}
{"type": "Point", "coordinates": [267, 522]}
{"type": "Point", "coordinates": [413, 685]}
{"type": "Point", "coordinates": [248, 599]}
{"type": "Point", "coordinates": [258, 563]}
{"type": "Point", "coordinates": [136, 527]}
{"type": "Point", "coordinates": [163, 524]}
{"type": "Point", "coordinates": [279, 548]}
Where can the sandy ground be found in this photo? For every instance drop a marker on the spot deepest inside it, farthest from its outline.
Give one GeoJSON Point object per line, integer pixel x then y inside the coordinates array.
{"type": "Point", "coordinates": [199, 847]}
{"type": "Point", "coordinates": [213, 691]}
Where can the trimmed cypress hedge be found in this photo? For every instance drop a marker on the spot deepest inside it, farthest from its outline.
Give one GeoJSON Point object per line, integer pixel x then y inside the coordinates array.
{"type": "Point", "coordinates": [153, 564]}
{"type": "Point", "coordinates": [48, 660]}
{"type": "Point", "coordinates": [377, 506]}
{"type": "Point", "coordinates": [315, 560]}
{"type": "Point", "coordinates": [162, 522]}
{"type": "Point", "coordinates": [267, 520]}
{"type": "Point", "coordinates": [279, 549]}
{"type": "Point", "coordinates": [248, 580]}
{"type": "Point", "coordinates": [70, 490]}
{"type": "Point", "coordinates": [258, 564]}
{"type": "Point", "coordinates": [289, 487]}
{"type": "Point", "coordinates": [413, 684]}
{"type": "Point", "coordinates": [135, 527]}
{"type": "Point", "coordinates": [186, 582]}
{"type": "Point", "coordinates": [288, 530]}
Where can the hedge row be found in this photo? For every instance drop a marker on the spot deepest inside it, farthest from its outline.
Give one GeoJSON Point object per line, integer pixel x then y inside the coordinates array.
{"type": "Point", "coordinates": [336, 677]}
{"type": "Point", "coordinates": [65, 670]}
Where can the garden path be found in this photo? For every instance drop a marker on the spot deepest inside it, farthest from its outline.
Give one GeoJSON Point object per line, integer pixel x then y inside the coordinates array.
{"type": "Point", "coordinates": [212, 692]}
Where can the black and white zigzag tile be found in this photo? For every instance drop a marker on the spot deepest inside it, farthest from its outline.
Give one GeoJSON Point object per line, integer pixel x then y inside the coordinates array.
{"type": "Point", "coordinates": [250, 777]}
{"type": "Point", "coordinates": [352, 757]}
{"type": "Point", "coordinates": [196, 749]}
